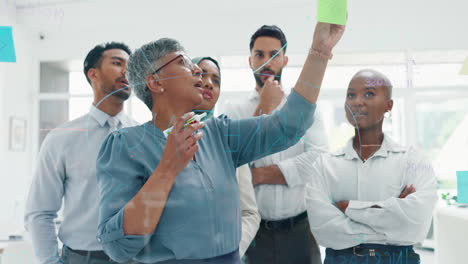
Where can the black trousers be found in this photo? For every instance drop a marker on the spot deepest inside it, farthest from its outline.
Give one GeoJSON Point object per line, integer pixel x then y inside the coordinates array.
{"type": "Point", "coordinates": [294, 245]}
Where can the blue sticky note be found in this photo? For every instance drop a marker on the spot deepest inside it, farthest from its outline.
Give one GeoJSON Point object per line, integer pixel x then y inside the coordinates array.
{"type": "Point", "coordinates": [462, 186]}
{"type": "Point", "coordinates": [7, 48]}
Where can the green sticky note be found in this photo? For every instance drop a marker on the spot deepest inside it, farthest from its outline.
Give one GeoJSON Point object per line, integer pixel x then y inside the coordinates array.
{"type": "Point", "coordinates": [332, 11]}
{"type": "Point", "coordinates": [462, 186]}
{"type": "Point", "coordinates": [7, 48]}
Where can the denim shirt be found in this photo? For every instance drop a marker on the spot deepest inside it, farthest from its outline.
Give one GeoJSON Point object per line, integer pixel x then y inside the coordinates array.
{"type": "Point", "coordinates": [202, 217]}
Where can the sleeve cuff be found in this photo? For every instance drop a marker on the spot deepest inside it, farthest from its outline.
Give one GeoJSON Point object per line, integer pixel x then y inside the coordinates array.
{"type": "Point", "coordinates": [353, 204]}
{"type": "Point", "coordinates": [116, 244]}
{"type": "Point", "coordinates": [356, 210]}
{"type": "Point", "coordinates": [290, 172]}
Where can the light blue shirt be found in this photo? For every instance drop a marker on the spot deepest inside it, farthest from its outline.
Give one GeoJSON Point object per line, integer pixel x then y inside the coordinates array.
{"type": "Point", "coordinates": [202, 218]}
{"type": "Point", "coordinates": [66, 170]}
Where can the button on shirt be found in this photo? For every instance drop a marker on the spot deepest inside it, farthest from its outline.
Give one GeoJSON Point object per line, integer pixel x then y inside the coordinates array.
{"type": "Point", "coordinates": [378, 181]}
{"type": "Point", "coordinates": [66, 169]}
{"type": "Point", "coordinates": [276, 202]}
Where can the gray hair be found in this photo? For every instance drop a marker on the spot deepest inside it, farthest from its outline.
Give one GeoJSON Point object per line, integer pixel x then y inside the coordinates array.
{"type": "Point", "coordinates": [142, 63]}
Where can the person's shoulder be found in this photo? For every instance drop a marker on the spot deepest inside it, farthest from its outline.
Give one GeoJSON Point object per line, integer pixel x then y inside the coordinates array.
{"type": "Point", "coordinates": [132, 133]}
{"type": "Point", "coordinates": [128, 121]}
{"type": "Point", "coordinates": [216, 121]}
{"type": "Point", "coordinates": [65, 135]}
{"type": "Point", "coordinates": [415, 157]}
{"type": "Point", "coordinates": [394, 146]}
{"type": "Point", "coordinates": [69, 129]}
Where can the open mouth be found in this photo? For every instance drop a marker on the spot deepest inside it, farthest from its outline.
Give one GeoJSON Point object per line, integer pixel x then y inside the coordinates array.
{"type": "Point", "coordinates": [199, 85]}
{"type": "Point", "coordinates": [123, 82]}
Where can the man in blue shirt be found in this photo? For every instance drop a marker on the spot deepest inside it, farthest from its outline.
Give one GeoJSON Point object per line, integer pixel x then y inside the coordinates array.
{"type": "Point", "coordinates": [66, 168]}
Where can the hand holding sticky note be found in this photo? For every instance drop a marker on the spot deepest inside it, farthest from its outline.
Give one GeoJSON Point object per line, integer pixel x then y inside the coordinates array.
{"type": "Point", "coordinates": [462, 186]}
{"type": "Point", "coordinates": [7, 48]}
{"type": "Point", "coordinates": [332, 11]}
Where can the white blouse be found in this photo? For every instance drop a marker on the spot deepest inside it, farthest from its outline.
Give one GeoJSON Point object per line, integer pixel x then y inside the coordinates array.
{"type": "Point", "coordinates": [342, 175]}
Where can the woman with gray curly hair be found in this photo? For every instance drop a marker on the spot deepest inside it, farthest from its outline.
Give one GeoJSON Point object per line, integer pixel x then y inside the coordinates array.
{"type": "Point", "coordinates": [175, 199]}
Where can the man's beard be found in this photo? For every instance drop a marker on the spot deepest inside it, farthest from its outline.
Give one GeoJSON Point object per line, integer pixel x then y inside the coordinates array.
{"type": "Point", "coordinates": [258, 76]}
{"type": "Point", "coordinates": [121, 95]}
{"type": "Point", "coordinates": [117, 92]}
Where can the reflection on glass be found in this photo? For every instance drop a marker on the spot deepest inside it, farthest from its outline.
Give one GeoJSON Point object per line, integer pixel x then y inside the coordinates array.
{"type": "Point", "coordinates": [52, 113]}
{"type": "Point", "coordinates": [439, 75]}
{"type": "Point", "coordinates": [442, 134]}
{"type": "Point", "coordinates": [79, 85]}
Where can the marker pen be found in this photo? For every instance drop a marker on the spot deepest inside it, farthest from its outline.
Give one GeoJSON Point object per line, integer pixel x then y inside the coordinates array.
{"type": "Point", "coordinates": [194, 119]}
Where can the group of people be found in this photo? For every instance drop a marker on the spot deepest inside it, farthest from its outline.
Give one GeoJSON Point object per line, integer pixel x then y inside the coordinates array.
{"type": "Point", "coordinates": [254, 185]}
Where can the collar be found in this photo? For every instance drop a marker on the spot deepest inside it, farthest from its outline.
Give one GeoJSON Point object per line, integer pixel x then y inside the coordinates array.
{"type": "Point", "coordinates": [101, 117]}
{"type": "Point", "coordinates": [388, 145]}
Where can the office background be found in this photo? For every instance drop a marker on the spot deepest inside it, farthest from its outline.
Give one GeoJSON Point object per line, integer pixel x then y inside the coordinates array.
{"type": "Point", "coordinates": [420, 44]}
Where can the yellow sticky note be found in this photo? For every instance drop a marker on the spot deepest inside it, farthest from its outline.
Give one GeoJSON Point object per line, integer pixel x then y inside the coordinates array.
{"type": "Point", "coordinates": [332, 11]}
{"type": "Point", "coordinates": [464, 69]}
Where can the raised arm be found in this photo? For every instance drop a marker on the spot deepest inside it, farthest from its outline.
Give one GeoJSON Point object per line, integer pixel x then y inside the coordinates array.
{"type": "Point", "coordinates": [253, 138]}
{"type": "Point", "coordinates": [285, 172]}
{"type": "Point", "coordinates": [326, 36]}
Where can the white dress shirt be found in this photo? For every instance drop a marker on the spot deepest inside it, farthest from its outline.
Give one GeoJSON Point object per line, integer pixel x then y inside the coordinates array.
{"type": "Point", "coordinates": [276, 202]}
{"type": "Point", "coordinates": [250, 216]}
{"type": "Point", "coordinates": [342, 175]}
{"type": "Point", "coordinates": [66, 169]}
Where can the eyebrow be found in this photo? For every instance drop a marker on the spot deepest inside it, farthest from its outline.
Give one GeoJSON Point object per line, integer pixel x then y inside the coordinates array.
{"type": "Point", "coordinates": [117, 58]}
{"type": "Point", "coordinates": [215, 75]}
{"type": "Point", "coordinates": [370, 88]}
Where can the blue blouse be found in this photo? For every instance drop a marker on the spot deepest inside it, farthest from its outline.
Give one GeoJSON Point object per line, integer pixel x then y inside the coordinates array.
{"type": "Point", "coordinates": [202, 217]}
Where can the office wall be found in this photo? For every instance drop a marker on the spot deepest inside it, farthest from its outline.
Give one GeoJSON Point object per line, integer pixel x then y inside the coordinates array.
{"type": "Point", "coordinates": [18, 82]}
{"type": "Point", "coordinates": [208, 27]}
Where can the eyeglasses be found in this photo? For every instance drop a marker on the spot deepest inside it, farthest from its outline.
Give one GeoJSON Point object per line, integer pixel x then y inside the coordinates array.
{"type": "Point", "coordinates": [187, 63]}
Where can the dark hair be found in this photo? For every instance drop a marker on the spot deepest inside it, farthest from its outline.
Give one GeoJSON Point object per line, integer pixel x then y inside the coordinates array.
{"type": "Point", "coordinates": [269, 31]}
{"type": "Point", "coordinates": [93, 59]}
{"type": "Point", "coordinates": [198, 60]}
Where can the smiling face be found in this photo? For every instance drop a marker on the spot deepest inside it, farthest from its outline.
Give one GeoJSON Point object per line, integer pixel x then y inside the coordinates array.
{"type": "Point", "coordinates": [366, 105]}
{"type": "Point", "coordinates": [181, 80]}
{"type": "Point", "coordinates": [265, 50]}
{"type": "Point", "coordinates": [211, 84]}
{"type": "Point", "coordinates": [110, 74]}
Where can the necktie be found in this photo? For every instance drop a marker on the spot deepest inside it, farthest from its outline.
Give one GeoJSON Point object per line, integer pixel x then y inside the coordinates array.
{"type": "Point", "coordinates": [113, 123]}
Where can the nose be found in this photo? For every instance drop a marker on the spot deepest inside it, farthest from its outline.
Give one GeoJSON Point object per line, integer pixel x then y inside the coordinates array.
{"type": "Point", "coordinates": [354, 105]}
{"type": "Point", "coordinates": [207, 83]}
{"type": "Point", "coordinates": [196, 70]}
{"type": "Point", "coordinates": [268, 62]}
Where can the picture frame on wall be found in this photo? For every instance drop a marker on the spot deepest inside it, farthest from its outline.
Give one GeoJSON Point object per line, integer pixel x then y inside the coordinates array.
{"type": "Point", "coordinates": [17, 134]}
